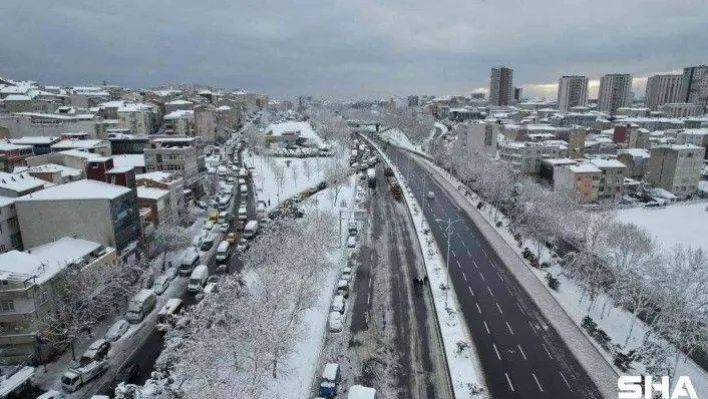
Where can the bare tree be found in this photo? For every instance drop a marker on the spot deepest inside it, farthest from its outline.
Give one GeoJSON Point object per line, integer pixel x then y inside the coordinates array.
{"type": "Point", "coordinates": [170, 238]}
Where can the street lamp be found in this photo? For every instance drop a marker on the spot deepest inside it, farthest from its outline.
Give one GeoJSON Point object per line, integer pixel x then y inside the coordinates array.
{"type": "Point", "coordinates": [448, 232]}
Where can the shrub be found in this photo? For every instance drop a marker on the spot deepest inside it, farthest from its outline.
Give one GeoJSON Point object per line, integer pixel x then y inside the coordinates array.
{"type": "Point", "coordinates": [480, 205]}
{"type": "Point", "coordinates": [527, 254]}
{"type": "Point", "coordinates": [589, 325]}
{"type": "Point", "coordinates": [553, 282]}
{"type": "Point", "coordinates": [545, 265]}
{"type": "Point", "coordinates": [499, 224]}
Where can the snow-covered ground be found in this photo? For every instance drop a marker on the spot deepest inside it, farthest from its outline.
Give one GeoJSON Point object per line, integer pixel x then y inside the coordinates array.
{"type": "Point", "coordinates": [305, 129]}
{"type": "Point", "coordinates": [673, 225]}
{"type": "Point", "coordinates": [302, 363]}
{"type": "Point", "coordinates": [397, 137]}
{"type": "Point", "coordinates": [277, 179]}
{"type": "Point", "coordinates": [615, 321]}
{"type": "Point", "coordinates": [464, 366]}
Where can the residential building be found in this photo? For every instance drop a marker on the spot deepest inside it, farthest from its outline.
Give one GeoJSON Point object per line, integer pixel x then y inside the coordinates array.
{"type": "Point", "coordinates": [548, 167]}
{"type": "Point", "coordinates": [30, 281]}
{"type": "Point", "coordinates": [138, 118]}
{"type": "Point", "coordinates": [178, 105]}
{"type": "Point", "coordinates": [676, 168]}
{"type": "Point", "coordinates": [572, 92]}
{"type": "Point", "coordinates": [581, 181]}
{"type": "Point", "coordinates": [122, 176]}
{"type": "Point", "coordinates": [662, 89]}
{"type": "Point", "coordinates": [501, 87]}
{"type": "Point", "coordinates": [681, 110]}
{"type": "Point", "coordinates": [639, 138]}
{"type": "Point", "coordinates": [413, 100]}
{"type": "Point", "coordinates": [612, 177]}
{"type": "Point", "coordinates": [135, 161]}
{"type": "Point", "coordinates": [10, 237]}
{"type": "Point", "coordinates": [128, 143]}
{"type": "Point", "coordinates": [226, 117]}
{"type": "Point", "coordinates": [615, 92]}
{"type": "Point", "coordinates": [180, 123]}
{"type": "Point", "coordinates": [698, 137]}
{"type": "Point", "coordinates": [33, 124]}
{"type": "Point", "coordinates": [99, 147]}
{"type": "Point", "coordinates": [40, 145]}
{"type": "Point", "coordinates": [171, 182]}
{"type": "Point", "coordinates": [205, 122]}
{"type": "Point", "coordinates": [636, 160]}
{"type": "Point", "coordinates": [633, 111]}
{"type": "Point", "coordinates": [158, 200]}
{"type": "Point", "coordinates": [86, 209]}
{"type": "Point", "coordinates": [694, 86]}
{"type": "Point", "coordinates": [55, 173]}
{"type": "Point", "coordinates": [478, 138]}
{"type": "Point", "coordinates": [526, 157]}
{"type": "Point", "coordinates": [180, 155]}
{"type": "Point", "coordinates": [14, 155]}
{"type": "Point", "coordinates": [15, 185]}
{"type": "Point", "coordinates": [576, 144]}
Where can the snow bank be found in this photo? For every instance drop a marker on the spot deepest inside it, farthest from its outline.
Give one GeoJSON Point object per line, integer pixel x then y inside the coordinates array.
{"type": "Point", "coordinates": [672, 225]}
{"type": "Point", "coordinates": [463, 365]}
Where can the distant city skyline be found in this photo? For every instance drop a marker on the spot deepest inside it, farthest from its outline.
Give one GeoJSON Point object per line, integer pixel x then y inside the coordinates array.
{"type": "Point", "coordinates": [348, 49]}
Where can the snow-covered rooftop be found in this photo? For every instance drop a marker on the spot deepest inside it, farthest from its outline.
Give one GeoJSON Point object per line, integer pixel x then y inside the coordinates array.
{"type": "Point", "coordinates": [305, 129]}
{"type": "Point", "coordinates": [180, 114]}
{"type": "Point", "coordinates": [77, 190]}
{"type": "Point", "coordinates": [134, 160]}
{"type": "Point", "coordinates": [45, 261]}
{"type": "Point", "coordinates": [19, 182]}
{"type": "Point", "coordinates": [156, 176]}
{"type": "Point", "coordinates": [5, 201]}
{"type": "Point", "coordinates": [37, 140]}
{"type": "Point", "coordinates": [89, 156]}
{"type": "Point", "coordinates": [607, 163]}
{"type": "Point", "coordinates": [52, 168]}
{"type": "Point", "coordinates": [8, 146]}
{"type": "Point", "coordinates": [121, 169]}
{"type": "Point", "coordinates": [77, 143]}
{"type": "Point", "coordinates": [584, 167]}
{"type": "Point", "coordinates": [152, 192]}
{"type": "Point", "coordinates": [695, 132]}
{"type": "Point", "coordinates": [635, 152]}
{"type": "Point", "coordinates": [18, 97]}
{"type": "Point", "coordinates": [559, 161]}
{"type": "Point", "coordinates": [179, 102]}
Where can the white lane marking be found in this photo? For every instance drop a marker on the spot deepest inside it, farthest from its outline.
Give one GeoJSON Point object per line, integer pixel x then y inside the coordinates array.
{"type": "Point", "coordinates": [490, 291]}
{"type": "Point", "coordinates": [458, 263]}
{"type": "Point", "coordinates": [522, 352]}
{"type": "Point", "coordinates": [469, 253]}
{"type": "Point", "coordinates": [511, 386]}
{"type": "Point", "coordinates": [486, 327]}
{"type": "Point", "coordinates": [482, 275]}
{"type": "Point", "coordinates": [368, 299]}
{"type": "Point", "coordinates": [533, 328]}
{"type": "Point", "coordinates": [509, 327]}
{"type": "Point", "coordinates": [464, 276]}
{"type": "Point", "coordinates": [500, 276]}
{"type": "Point", "coordinates": [462, 241]}
{"type": "Point", "coordinates": [537, 383]}
{"type": "Point", "coordinates": [547, 351]}
{"type": "Point", "coordinates": [566, 381]}
{"type": "Point", "coordinates": [453, 254]}
{"type": "Point", "coordinates": [520, 308]}
{"type": "Point", "coordinates": [499, 307]}
{"type": "Point", "coordinates": [470, 288]}
{"type": "Point", "coordinates": [497, 351]}
{"type": "Point", "coordinates": [484, 252]}
{"type": "Point", "coordinates": [478, 308]}
{"type": "Point", "coordinates": [475, 264]}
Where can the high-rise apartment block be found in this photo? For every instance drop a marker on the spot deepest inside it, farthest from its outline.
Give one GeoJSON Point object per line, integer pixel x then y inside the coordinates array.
{"type": "Point", "coordinates": [694, 85]}
{"type": "Point", "coordinates": [501, 88]}
{"type": "Point", "coordinates": [615, 92]}
{"type": "Point", "coordinates": [572, 92]}
{"type": "Point", "coordinates": [662, 89]}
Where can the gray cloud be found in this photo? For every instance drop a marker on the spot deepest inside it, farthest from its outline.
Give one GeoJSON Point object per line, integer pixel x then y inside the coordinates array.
{"type": "Point", "coordinates": [345, 48]}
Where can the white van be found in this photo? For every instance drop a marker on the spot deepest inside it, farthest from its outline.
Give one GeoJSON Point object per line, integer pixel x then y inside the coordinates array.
{"type": "Point", "coordinates": [198, 279]}
{"type": "Point", "coordinates": [140, 306]}
{"type": "Point", "coordinates": [190, 259]}
{"type": "Point", "coordinates": [223, 252]}
{"type": "Point", "coordinates": [223, 217]}
{"type": "Point", "coordinates": [243, 189]}
{"type": "Point", "coordinates": [242, 213]}
{"type": "Point", "coordinates": [338, 304]}
{"type": "Point", "coordinates": [251, 229]}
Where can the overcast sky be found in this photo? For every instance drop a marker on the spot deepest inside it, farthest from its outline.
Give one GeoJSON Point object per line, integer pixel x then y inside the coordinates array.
{"type": "Point", "coordinates": [347, 48]}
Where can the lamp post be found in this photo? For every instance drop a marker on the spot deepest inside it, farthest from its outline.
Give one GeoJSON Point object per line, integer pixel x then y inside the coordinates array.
{"type": "Point", "coordinates": [448, 232]}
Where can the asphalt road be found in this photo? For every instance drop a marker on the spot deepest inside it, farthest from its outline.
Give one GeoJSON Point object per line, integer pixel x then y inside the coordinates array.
{"type": "Point", "coordinates": [521, 355]}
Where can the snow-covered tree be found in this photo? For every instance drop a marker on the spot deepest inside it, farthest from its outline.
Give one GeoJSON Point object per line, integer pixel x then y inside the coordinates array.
{"type": "Point", "coordinates": [170, 238]}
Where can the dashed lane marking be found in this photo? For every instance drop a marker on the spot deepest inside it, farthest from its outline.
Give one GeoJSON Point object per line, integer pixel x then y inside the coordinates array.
{"type": "Point", "coordinates": [475, 264]}
{"type": "Point", "coordinates": [469, 253]}
{"type": "Point", "coordinates": [453, 254]}
{"type": "Point", "coordinates": [509, 327]}
{"type": "Point", "coordinates": [533, 328]}
{"type": "Point", "coordinates": [478, 308]}
{"type": "Point", "coordinates": [522, 352]}
{"type": "Point", "coordinates": [486, 327]}
{"type": "Point", "coordinates": [464, 276]}
{"type": "Point", "coordinates": [470, 288]}
{"type": "Point", "coordinates": [499, 307]}
{"type": "Point", "coordinates": [497, 351]}
{"type": "Point", "coordinates": [547, 351]}
{"type": "Point", "coordinates": [490, 291]}
{"type": "Point", "coordinates": [566, 381]}
{"type": "Point", "coordinates": [511, 386]}
{"type": "Point", "coordinates": [537, 383]}
{"type": "Point", "coordinates": [482, 275]}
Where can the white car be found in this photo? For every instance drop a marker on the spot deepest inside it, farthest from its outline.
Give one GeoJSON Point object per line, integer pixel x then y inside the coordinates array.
{"type": "Point", "coordinates": [335, 323]}
{"type": "Point", "coordinates": [161, 284]}
{"type": "Point", "coordinates": [431, 195]}
{"type": "Point", "coordinates": [171, 272]}
{"type": "Point", "coordinates": [208, 225]}
{"type": "Point", "coordinates": [224, 227]}
{"type": "Point", "coordinates": [117, 330]}
{"type": "Point", "coordinates": [351, 242]}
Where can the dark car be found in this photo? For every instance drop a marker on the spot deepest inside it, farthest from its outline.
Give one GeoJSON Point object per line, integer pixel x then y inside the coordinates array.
{"type": "Point", "coordinates": [322, 185]}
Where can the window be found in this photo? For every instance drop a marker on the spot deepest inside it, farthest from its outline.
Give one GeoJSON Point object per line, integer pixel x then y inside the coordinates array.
{"type": "Point", "coordinates": [10, 327]}
{"type": "Point", "coordinates": [7, 306]}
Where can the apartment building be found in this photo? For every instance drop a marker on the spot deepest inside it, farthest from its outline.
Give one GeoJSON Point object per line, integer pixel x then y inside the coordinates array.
{"type": "Point", "coordinates": [615, 92]}
{"type": "Point", "coordinates": [676, 168]}
{"type": "Point", "coordinates": [663, 89]}
{"type": "Point", "coordinates": [205, 122]}
{"type": "Point", "coordinates": [694, 85]}
{"type": "Point", "coordinates": [581, 181]}
{"type": "Point", "coordinates": [681, 110]}
{"type": "Point", "coordinates": [572, 92]}
{"type": "Point", "coordinates": [14, 155]}
{"type": "Point", "coordinates": [479, 138]}
{"type": "Point", "coordinates": [87, 209]}
{"type": "Point", "coordinates": [171, 182]}
{"type": "Point", "coordinates": [180, 123]}
{"type": "Point", "coordinates": [526, 157]}
{"type": "Point", "coordinates": [501, 86]}
{"type": "Point", "coordinates": [40, 145]}
{"type": "Point", "coordinates": [99, 147]}
{"type": "Point", "coordinates": [10, 237]}
{"type": "Point", "coordinates": [636, 160]}
{"type": "Point", "coordinates": [697, 137]}
{"type": "Point", "coordinates": [612, 174]}
{"type": "Point", "coordinates": [158, 200]}
{"type": "Point", "coordinates": [178, 105]}
{"type": "Point", "coordinates": [29, 283]}
{"type": "Point", "coordinates": [138, 118]}
{"type": "Point", "coordinates": [183, 156]}
{"type": "Point", "coordinates": [15, 185]}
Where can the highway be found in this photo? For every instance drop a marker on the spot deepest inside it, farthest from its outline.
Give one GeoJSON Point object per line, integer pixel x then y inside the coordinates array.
{"type": "Point", "coordinates": [522, 356]}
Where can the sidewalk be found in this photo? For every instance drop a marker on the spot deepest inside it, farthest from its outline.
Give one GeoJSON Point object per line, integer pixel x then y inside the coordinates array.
{"type": "Point", "coordinates": [597, 367]}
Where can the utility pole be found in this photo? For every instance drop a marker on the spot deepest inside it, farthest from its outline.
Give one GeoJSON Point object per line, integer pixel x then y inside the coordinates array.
{"type": "Point", "coordinates": [448, 232]}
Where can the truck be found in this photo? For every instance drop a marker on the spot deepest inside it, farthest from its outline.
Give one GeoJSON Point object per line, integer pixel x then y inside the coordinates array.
{"type": "Point", "coordinates": [76, 377]}
{"type": "Point", "coordinates": [393, 187]}
{"type": "Point", "coordinates": [371, 177]}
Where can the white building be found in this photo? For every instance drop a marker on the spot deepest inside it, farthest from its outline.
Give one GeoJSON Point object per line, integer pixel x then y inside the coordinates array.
{"type": "Point", "coordinates": [615, 92]}
{"type": "Point", "coordinates": [10, 237]}
{"type": "Point", "coordinates": [612, 177]}
{"type": "Point", "coordinates": [179, 155]}
{"type": "Point", "coordinates": [180, 123]}
{"type": "Point", "coordinates": [479, 138]}
{"type": "Point", "coordinates": [676, 168]}
{"type": "Point", "coordinates": [681, 110]}
{"type": "Point", "coordinates": [526, 157]}
{"type": "Point", "coordinates": [662, 89]}
{"type": "Point", "coordinates": [572, 92]}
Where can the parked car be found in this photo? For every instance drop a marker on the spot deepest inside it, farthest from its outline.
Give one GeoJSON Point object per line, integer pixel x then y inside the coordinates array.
{"type": "Point", "coordinates": [231, 238]}
{"type": "Point", "coordinates": [97, 351]}
{"type": "Point", "coordinates": [335, 323]}
{"type": "Point", "coordinates": [201, 205]}
{"type": "Point", "coordinates": [351, 242]}
{"type": "Point", "coordinates": [338, 304]}
{"type": "Point", "coordinates": [347, 273]}
{"type": "Point", "coordinates": [224, 227]}
{"type": "Point", "coordinates": [431, 195]}
{"type": "Point", "coordinates": [161, 284]}
{"type": "Point", "coordinates": [208, 225]}
{"type": "Point", "coordinates": [242, 245]}
{"type": "Point", "coordinates": [117, 330]}
{"type": "Point", "coordinates": [171, 272]}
